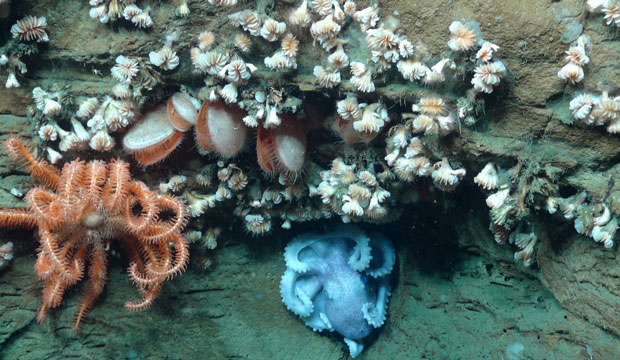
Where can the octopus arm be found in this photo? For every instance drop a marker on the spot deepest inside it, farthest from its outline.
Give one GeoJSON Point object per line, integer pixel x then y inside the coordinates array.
{"type": "Point", "coordinates": [319, 320]}
{"type": "Point", "coordinates": [293, 250]}
{"type": "Point", "coordinates": [297, 293]}
{"type": "Point", "coordinates": [375, 313]}
{"type": "Point", "coordinates": [355, 347]}
{"type": "Point", "coordinates": [383, 256]}
{"type": "Point", "coordinates": [360, 257]}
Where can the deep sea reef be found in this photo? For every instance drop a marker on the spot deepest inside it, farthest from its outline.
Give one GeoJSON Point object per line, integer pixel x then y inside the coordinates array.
{"type": "Point", "coordinates": [432, 122]}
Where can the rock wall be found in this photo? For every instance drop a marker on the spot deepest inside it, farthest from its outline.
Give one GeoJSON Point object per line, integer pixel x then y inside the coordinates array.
{"type": "Point", "coordinates": [527, 116]}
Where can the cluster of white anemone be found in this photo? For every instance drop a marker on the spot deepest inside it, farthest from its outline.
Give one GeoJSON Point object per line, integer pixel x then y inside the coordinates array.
{"type": "Point", "coordinates": [333, 18]}
{"type": "Point", "coordinates": [220, 65]}
{"type": "Point", "coordinates": [91, 123]}
{"type": "Point", "coordinates": [165, 58]}
{"type": "Point", "coordinates": [597, 110]}
{"type": "Point", "coordinates": [230, 180]}
{"type": "Point", "coordinates": [208, 238]}
{"type": "Point", "coordinates": [175, 184]}
{"type": "Point", "coordinates": [405, 146]}
{"type": "Point", "coordinates": [263, 204]}
{"type": "Point", "coordinates": [284, 59]}
{"type": "Point", "coordinates": [49, 104]}
{"type": "Point", "coordinates": [14, 66]}
{"type": "Point", "coordinates": [588, 108]}
{"type": "Point", "coordinates": [576, 58]}
{"type": "Point", "coordinates": [500, 201]}
{"type": "Point", "coordinates": [257, 203]}
{"type": "Point", "coordinates": [502, 205]}
{"type": "Point", "coordinates": [224, 3]}
{"type": "Point", "coordinates": [489, 71]}
{"type": "Point", "coordinates": [112, 10]}
{"type": "Point", "coordinates": [592, 220]}
{"type": "Point", "coordinates": [407, 155]}
{"type": "Point", "coordinates": [354, 194]}
{"type": "Point", "coordinates": [270, 30]}
{"type": "Point", "coordinates": [264, 107]}
{"type": "Point", "coordinates": [609, 8]}
{"type": "Point", "coordinates": [526, 242]}
{"type": "Point", "coordinates": [28, 29]}
{"type": "Point", "coordinates": [365, 118]}
{"type": "Point", "coordinates": [325, 20]}
{"type": "Point", "coordinates": [388, 47]}
{"type": "Point", "coordinates": [359, 122]}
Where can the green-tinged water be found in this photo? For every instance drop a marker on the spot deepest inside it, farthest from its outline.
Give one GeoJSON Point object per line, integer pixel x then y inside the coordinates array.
{"type": "Point", "coordinates": [216, 179]}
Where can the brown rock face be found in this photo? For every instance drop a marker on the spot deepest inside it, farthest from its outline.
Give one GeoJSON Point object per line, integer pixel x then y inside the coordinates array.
{"type": "Point", "coordinates": [527, 115]}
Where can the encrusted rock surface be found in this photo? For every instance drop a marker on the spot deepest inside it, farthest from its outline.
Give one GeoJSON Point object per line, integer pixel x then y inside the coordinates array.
{"type": "Point", "coordinates": [234, 310]}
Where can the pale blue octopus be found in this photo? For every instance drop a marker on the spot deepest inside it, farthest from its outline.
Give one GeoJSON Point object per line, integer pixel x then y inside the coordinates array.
{"type": "Point", "coordinates": [339, 281]}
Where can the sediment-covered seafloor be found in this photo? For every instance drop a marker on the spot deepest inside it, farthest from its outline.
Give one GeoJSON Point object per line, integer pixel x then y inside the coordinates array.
{"type": "Point", "coordinates": [456, 292]}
